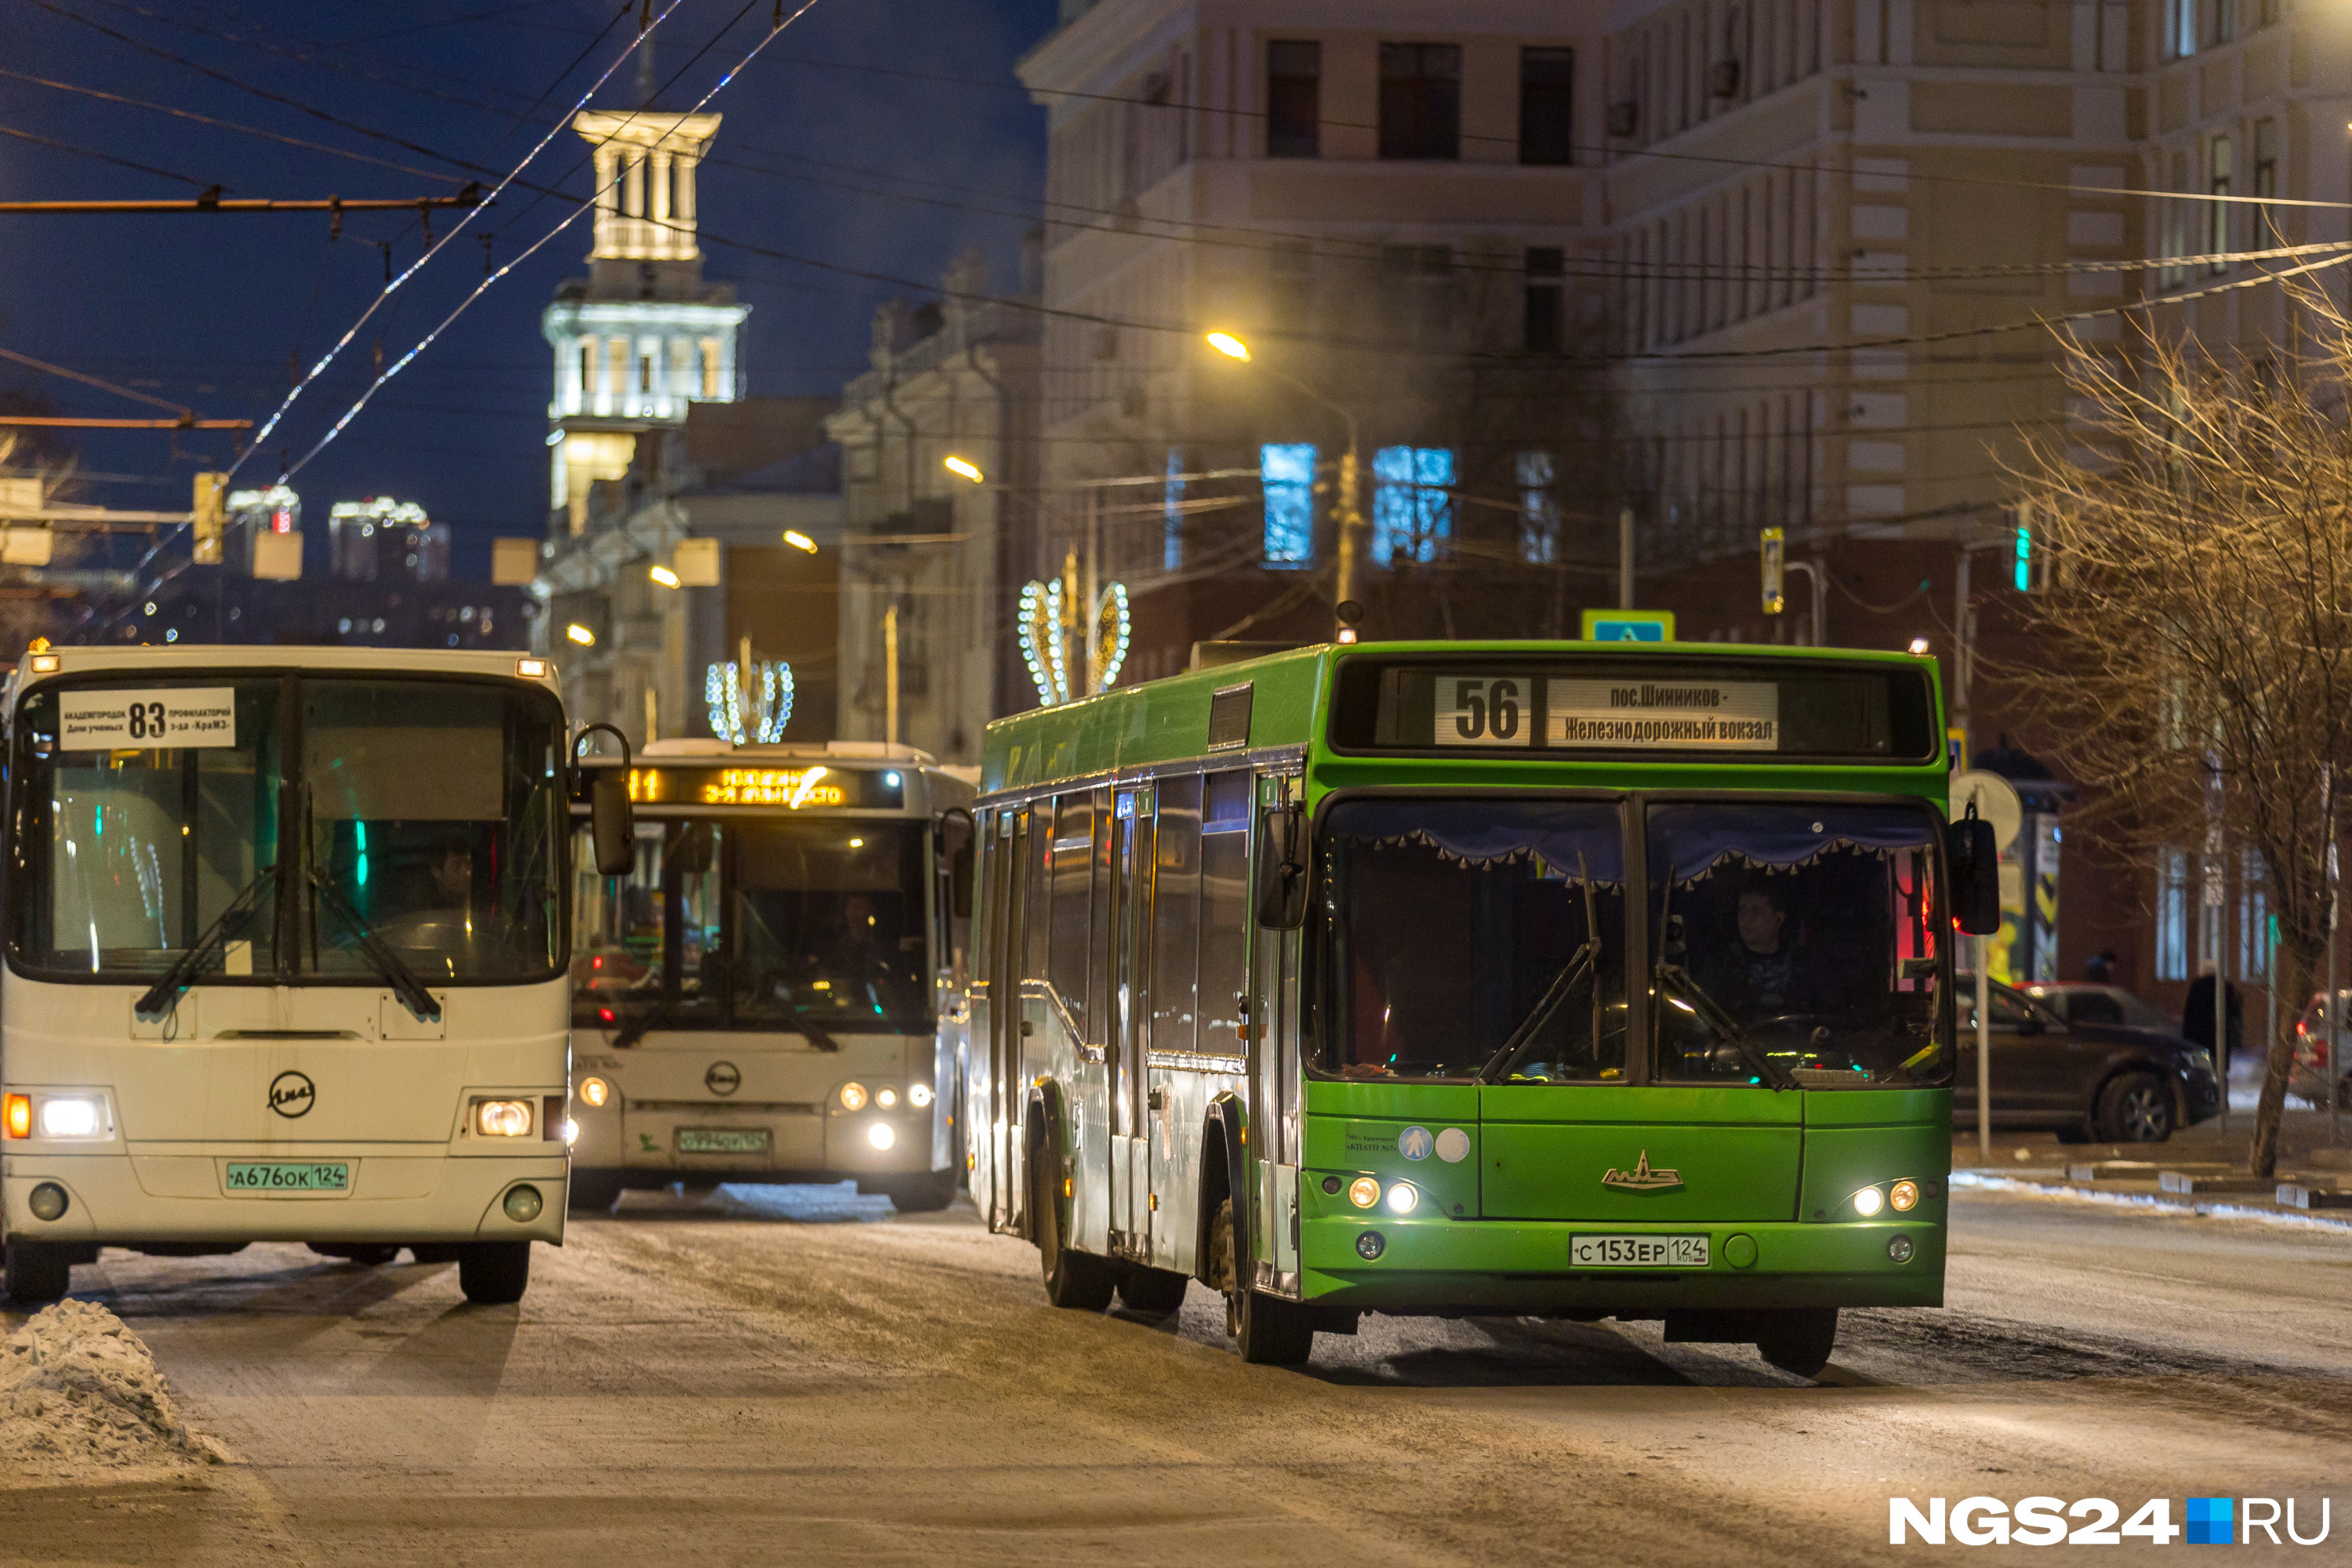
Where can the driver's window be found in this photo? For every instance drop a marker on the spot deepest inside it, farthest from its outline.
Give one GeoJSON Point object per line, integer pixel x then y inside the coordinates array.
{"type": "Point", "coordinates": [2011, 1011]}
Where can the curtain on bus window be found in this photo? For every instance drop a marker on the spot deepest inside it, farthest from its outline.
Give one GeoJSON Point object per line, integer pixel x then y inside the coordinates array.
{"type": "Point", "coordinates": [1778, 837]}
{"type": "Point", "coordinates": [1475, 834]}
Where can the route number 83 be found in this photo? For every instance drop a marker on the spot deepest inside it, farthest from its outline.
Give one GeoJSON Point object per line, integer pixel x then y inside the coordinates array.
{"type": "Point", "coordinates": [146, 722]}
{"type": "Point", "coordinates": [1479, 712]}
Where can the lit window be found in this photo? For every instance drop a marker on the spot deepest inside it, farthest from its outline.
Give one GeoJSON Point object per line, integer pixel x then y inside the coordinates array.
{"type": "Point", "coordinates": [1286, 473]}
{"type": "Point", "coordinates": [2253, 921]}
{"type": "Point", "coordinates": [2172, 915]}
{"type": "Point", "coordinates": [1538, 508]}
{"type": "Point", "coordinates": [710, 367]}
{"type": "Point", "coordinates": [1412, 509]}
{"type": "Point", "coordinates": [1171, 507]}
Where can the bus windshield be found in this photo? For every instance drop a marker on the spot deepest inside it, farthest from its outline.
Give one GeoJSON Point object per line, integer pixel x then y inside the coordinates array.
{"type": "Point", "coordinates": [747, 924]}
{"type": "Point", "coordinates": [1471, 938]}
{"type": "Point", "coordinates": [433, 811]}
{"type": "Point", "coordinates": [1796, 945]}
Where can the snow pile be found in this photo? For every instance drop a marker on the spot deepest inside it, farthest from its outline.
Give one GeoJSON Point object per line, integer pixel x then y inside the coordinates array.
{"type": "Point", "coordinates": [82, 1400]}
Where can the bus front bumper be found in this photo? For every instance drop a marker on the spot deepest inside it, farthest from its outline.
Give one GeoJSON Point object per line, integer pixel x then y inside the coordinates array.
{"type": "Point", "coordinates": [395, 1194]}
{"type": "Point", "coordinates": [1506, 1267]}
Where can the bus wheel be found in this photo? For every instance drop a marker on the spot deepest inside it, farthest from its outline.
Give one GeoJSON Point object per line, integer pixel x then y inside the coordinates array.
{"type": "Point", "coordinates": [924, 1193]}
{"type": "Point", "coordinates": [1142, 1288]}
{"type": "Point", "coordinates": [1074, 1279]}
{"type": "Point", "coordinates": [494, 1273]}
{"type": "Point", "coordinates": [1265, 1329]}
{"type": "Point", "coordinates": [38, 1272]}
{"type": "Point", "coordinates": [1799, 1340]}
{"type": "Point", "coordinates": [594, 1191]}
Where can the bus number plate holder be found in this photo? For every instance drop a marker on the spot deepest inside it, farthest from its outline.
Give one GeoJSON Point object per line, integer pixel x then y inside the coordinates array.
{"type": "Point", "coordinates": [288, 1176]}
{"type": "Point", "coordinates": [1637, 1251]}
{"type": "Point", "coordinates": [722, 1140]}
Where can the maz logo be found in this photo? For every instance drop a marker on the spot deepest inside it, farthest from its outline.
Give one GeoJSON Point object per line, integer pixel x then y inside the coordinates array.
{"type": "Point", "coordinates": [292, 1094]}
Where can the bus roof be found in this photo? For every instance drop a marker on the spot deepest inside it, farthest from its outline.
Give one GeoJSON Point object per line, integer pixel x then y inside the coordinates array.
{"type": "Point", "coordinates": [1169, 720]}
{"type": "Point", "coordinates": [186, 658]}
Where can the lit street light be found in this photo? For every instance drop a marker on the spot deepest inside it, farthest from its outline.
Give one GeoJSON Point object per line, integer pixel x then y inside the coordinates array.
{"type": "Point", "coordinates": [580, 635]}
{"type": "Point", "coordinates": [799, 541]}
{"type": "Point", "coordinates": [1346, 511]}
{"type": "Point", "coordinates": [662, 575]}
{"type": "Point", "coordinates": [956, 465]}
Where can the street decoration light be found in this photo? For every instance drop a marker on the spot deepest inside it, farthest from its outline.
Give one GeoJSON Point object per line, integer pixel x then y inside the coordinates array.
{"type": "Point", "coordinates": [1060, 647]}
{"type": "Point", "coordinates": [747, 699]}
{"type": "Point", "coordinates": [1346, 510]}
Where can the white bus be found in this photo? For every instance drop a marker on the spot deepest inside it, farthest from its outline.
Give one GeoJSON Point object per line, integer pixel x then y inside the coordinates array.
{"type": "Point", "coordinates": [286, 957]}
{"type": "Point", "coordinates": [775, 993]}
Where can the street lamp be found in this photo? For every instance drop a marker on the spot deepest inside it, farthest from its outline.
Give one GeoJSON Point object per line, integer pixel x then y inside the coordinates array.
{"type": "Point", "coordinates": [662, 575]}
{"type": "Point", "coordinates": [580, 635]}
{"type": "Point", "coordinates": [958, 466]}
{"type": "Point", "coordinates": [1348, 514]}
{"type": "Point", "coordinates": [799, 541]}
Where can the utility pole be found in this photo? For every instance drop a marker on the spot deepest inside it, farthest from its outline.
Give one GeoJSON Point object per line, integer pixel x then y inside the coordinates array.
{"type": "Point", "coordinates": [1349, 514]}
{"type": "Point", "coordinates": [1624, 557]}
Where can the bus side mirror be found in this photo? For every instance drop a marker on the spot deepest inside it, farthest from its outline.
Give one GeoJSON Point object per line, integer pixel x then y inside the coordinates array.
{"type": "Point", "coordinates": [612, 822]}
{"type": "Point", "coordinates": [1976, 875]}
{"type": "Point", "coordinates": [957, 837]}
{"type": "Point", "coordinates": [1282, 868]}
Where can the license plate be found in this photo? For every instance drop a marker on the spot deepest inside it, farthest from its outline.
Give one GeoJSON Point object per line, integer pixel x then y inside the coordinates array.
{"type": "Point", "coordinates": [722, 1140]}
{"type": "Point", "coordinates": [1637, 1251]}
{"type": "Point", "coordinates": [273, 1176]}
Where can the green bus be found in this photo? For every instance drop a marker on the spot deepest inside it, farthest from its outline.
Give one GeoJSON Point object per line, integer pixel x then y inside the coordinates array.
{"type": "Point", "coordinates": [1511, 978]}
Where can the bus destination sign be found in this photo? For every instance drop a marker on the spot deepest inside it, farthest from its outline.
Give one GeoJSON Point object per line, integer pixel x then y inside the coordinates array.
{"type": "Point", "coordinates": [815, 786]}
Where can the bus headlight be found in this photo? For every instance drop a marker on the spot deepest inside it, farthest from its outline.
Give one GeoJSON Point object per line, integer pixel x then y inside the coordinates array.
{"type": "Point", "coordinates": [920, 1096]}
{"type": "Point", "coordinates": [881, 1135]}
{"type": "Point", "coordinates": [853, 1096]}
{"type": "Point", "coordinates": [886, 1098]}
{"type": "Point", "coordinates": [503, 1117]}
{"type": "Point", "coordinates": [1903, 1196]}
{"type": "Point", "coordinates": [1401, 1197]}
{"type": "Point", "coordinates": [595, 1092]}
{"type": "Point", "coordinates": [1868, 1202]}
{"type": "Point", "coordinates": [73, 1116]}
{"type": "Point", "coordinates": [1363, 1192]}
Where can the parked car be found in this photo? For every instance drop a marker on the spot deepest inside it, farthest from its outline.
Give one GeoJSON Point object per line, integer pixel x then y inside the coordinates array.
{"type": "Point", "coordinates": [2089, 1082]}
{"type": "Point", "coordinates": [2308, 1080]}
{"type": "Point", "coordinates": [2093, 1002]}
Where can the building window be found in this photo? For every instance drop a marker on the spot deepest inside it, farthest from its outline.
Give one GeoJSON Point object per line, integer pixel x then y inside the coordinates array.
{"type": "Point", "coordinates": [617, 366]}
{"type": "Point", "coordinates": [2181, 29]}
{"type": "Point", "coordinates": [2217, 223]}
{"type": "Point", "coordinates": [1294, 99]}
{"type": "Point", "coordinates": [1538, 508]}
{"type": "Point", "coordinates": [588, 365]}
{"type": "Point", "coordinates": [645, 372]}
{"type": "Point", "coordinates": [1171, 511]}
{"type": "Point", "coordinates": [2172, 914]}
{"type": "Point", "coordinates": [1547, 78]}
{"type": "Point", "coordinates": [1419, 292]}
{"type": "Point", "coordinates": [710, 367]}
{"type": "Point", "coordinates": [1546, 268]}
{"type": "Point", "coordinates": [1412, 505]}
{"type": "Point", "coordinates": [2254, 920]}
{"type": "Point", "coordinates": [2224, 17]}
{"type": "Point", "coordinates": [2266, 178]}
{"type": "Point", "coordinates": [1290, 284]}
{"type": "Point", "coordinates": [1286, 474]}
{"type": "Point", "coordinates": [1421, 100]}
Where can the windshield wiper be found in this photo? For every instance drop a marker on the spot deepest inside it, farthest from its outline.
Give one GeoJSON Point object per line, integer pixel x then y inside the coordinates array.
{"type": "Point", "coordinates": [1578, 967]}
{"type": "Point", "coordinates": [160, 999]}
{"type": "Point", "coordinates": [1712, 1015]}
{"type": "Point", "coordinates": [379, 954]}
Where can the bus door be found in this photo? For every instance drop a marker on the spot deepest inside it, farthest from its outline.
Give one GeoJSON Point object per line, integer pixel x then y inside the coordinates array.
{"type": "Point", "coordinates": [999, 1014]}
{"type": "Point", "coordinates": [1130, 1189]}
{"type": "Point", "coordinates": [1085, 982]}
{"type": "Point", "coordinates": [1177, 1092]}
{"type": "Point", "coordinates": [1273, 1029]}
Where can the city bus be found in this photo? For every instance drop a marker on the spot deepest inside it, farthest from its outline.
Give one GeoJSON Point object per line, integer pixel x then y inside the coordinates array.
{"type": "Point", "coordinates": [1534, 978]}
{"type": "Point", "coordinates": [286, 957]}
{"type": "Point", "coordinates": [775, 993]}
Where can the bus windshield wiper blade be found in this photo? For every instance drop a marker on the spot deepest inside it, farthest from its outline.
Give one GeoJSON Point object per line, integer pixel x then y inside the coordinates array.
{"type": "Point", "coordinates": [380, 956]}
{"type": "Point", "coordinates": [1712, 1015]}
{"type": "Point", "coordinates": [162, 997]}
{"type": "Point", "coordinates": [1563, 986]}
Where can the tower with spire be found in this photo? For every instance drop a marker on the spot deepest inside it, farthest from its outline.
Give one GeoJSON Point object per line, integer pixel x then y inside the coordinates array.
{"type": "Point", "coordinates": [642, 336]}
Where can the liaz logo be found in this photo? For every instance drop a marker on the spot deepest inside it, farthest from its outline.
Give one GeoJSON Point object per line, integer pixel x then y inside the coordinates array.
{"type": "Point", "coordinates": [2045, 1521]}
{"type": "Point", "coordinates": [292, 1094]}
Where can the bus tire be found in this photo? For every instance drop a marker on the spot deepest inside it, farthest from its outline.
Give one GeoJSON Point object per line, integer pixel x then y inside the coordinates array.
{"type": "Point", "coordinates": [925, 1193]}
{"type": "Point", "coordinates": [494, 1273]}
{"type": "Point", "coordinates": [1078, 1280]}
{"type": "Point", "coordinates": [38, 1272]}
{"type": "Point", "coordinates": [1799, 1340]}
{"type": "Point", "coordinates": [594, 1191]}
{"type": "Point", "coordinates": [1267, 1330]}
{"type": "Point", "coordinates": [1143, 1288]}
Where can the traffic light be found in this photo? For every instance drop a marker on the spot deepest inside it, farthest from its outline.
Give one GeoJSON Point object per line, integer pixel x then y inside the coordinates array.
{"type": "Point", "coordinates": [1775, 548]}
{"type": "Point", "coordinates": [211, 515]}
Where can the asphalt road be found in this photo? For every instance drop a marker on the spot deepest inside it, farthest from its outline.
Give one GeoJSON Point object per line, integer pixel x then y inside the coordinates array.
{"type": "Point", "coordinates": [685, 1383]}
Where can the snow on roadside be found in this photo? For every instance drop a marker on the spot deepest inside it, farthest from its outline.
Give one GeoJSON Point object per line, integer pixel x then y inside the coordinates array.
{"type": "Point", "coordinates": [81, 1401]}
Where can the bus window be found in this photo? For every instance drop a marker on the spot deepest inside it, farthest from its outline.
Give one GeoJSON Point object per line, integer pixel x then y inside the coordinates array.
{"type": "Point", "coordinates": [1073, 878]}
{"type": "Point", "coordinates": [1476, 937]}
{"type": "Point", "coordinates": [1176, 916]}
{"type": "Point", "coordinates": [1799, 932]}
{"type": "Point", "coordinates": [828, 920]}
{"type": "Point", "coordinates": [1226, 912]}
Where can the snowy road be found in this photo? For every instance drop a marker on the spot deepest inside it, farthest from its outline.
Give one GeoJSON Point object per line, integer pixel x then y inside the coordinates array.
{"type": "Point", "coordinates": [687, 1385]}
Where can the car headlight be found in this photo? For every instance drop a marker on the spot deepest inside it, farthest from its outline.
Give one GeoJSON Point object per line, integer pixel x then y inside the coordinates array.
{"type": "Point", "coordinates": [503, 1117]}
{"type": "Point", "coordinates": [1868, 1202]}
{"type": "Point", "coordinates": [2201, 1059]}
{"type": "Point", "coordinates": [73, 1116]}
{"type": "Point", "coordinates": [853, 1096]}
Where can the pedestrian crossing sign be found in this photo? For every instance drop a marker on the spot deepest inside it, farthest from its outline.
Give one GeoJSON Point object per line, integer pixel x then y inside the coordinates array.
{"type": "Point", "coordinates": [1629, 625]}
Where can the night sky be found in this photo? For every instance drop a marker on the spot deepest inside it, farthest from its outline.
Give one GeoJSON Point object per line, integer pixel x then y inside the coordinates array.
{"type": "Point", "coordinates": [840, 143]}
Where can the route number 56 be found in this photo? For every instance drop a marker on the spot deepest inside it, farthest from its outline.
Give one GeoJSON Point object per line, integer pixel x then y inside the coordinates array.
{"type": "Point", "coordinates": [1481, 711]}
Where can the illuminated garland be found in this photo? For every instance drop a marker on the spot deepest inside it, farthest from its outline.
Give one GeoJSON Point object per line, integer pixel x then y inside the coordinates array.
{"type": "Point", "coordinates": [1045, 629]}
{"type": "Point", "coordinates": [723, 697]}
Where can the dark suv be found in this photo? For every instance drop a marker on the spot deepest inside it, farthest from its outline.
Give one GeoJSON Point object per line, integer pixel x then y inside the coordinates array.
{"type": "Point", "coordinates": [2089, 1082]}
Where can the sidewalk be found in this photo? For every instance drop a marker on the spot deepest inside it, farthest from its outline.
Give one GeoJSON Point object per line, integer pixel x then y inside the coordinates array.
{"type": "Point", "coordinates": [2201, 1170]}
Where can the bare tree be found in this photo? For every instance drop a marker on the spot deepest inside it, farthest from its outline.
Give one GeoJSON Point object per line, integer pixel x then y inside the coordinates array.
{"type": "Point", "coordinates": [2198, 627]}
